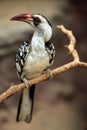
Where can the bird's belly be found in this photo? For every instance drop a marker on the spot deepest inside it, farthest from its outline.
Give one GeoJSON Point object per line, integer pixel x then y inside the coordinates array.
{"type": "Point", "coordinates": [35, 64]}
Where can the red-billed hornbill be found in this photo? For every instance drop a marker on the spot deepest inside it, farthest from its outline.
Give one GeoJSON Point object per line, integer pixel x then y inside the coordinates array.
{"type": "Point", "coordinates": [32, 59]}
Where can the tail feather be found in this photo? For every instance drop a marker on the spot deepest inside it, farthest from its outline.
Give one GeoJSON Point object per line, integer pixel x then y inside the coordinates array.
{"type": "Point", "coordinates": [26, 102]}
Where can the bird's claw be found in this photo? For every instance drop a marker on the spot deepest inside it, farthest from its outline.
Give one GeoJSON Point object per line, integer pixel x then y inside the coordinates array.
{"type": "Point", "coordinates": [12, 84]}
{"type": "Point", "coordinates": [26, 82]}
{"type": "Point", "coordinates": [49, 74]}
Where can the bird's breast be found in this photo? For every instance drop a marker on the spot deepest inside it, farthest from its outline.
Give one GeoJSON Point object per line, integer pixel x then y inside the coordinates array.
{"type": "Point", "coordinates": [35, 63]}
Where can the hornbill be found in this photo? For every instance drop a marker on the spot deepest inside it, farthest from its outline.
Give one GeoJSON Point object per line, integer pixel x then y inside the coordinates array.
{"type": "Point", "coordinates": [32, 59]}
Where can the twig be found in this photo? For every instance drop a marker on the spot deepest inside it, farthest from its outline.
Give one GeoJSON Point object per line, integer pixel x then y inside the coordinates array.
{"type": "Point", "coordinates": [76, 62]}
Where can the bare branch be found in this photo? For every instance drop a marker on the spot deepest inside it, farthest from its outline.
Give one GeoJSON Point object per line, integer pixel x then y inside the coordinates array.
{"type": "Point", "coordinates": [76, 62]}
{"type": "Point", "coordinates": [71, 46]}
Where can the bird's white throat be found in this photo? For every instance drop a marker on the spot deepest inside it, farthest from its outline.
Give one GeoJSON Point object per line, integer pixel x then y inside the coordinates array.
{"type": "Point", "coordinates": [38, 41]}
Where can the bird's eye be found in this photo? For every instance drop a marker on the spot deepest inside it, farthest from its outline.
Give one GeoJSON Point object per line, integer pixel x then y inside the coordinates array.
{"type": "Point", "coordinates": [37, 21]}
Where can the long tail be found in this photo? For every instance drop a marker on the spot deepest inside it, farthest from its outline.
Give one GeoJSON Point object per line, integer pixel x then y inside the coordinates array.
{"type": "Point", "coordinates": [26, 103]}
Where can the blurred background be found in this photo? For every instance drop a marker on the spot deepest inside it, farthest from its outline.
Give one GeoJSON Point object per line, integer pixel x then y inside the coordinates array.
{"type": "Point", "coordinates": [60, 104]}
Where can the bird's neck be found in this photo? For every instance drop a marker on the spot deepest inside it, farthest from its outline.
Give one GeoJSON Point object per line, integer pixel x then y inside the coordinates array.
{"type": "Point", "coordinates": [38, 41]}
{"type": "Point", "coordinates": [44, 33]}
{"type": "Point", "coordinates": [40, 37]}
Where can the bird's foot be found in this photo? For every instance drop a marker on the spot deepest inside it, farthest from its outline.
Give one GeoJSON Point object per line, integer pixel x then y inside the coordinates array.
{"type": "Point", "coordinates": [26, 82]}
{"type": "Point", "coordinates": [49, 74]}
{"type": "Point", "coordinates": [12, 84]}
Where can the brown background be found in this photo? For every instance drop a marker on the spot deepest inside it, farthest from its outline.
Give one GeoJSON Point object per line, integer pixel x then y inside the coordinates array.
{"type": "Point", "coordinates": [60, 104]}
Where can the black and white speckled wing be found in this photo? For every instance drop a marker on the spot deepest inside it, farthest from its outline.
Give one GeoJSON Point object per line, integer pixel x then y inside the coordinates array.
{"type": "Point", "coordinates": [21, 56]}
{"type": "Point", "coordinates": [51, 51]}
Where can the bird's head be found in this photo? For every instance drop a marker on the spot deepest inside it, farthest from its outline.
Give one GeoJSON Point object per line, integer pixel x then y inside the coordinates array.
{"type": "Point", "coordinates": [38, 21]}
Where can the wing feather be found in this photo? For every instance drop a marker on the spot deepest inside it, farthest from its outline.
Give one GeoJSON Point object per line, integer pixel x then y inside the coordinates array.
{"type": "Point", "coordinates": [51, 51]}
{"type": "Point", "coordinates": [21, 56]}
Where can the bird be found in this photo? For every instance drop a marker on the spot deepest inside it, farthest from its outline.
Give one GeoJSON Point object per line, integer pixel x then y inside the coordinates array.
{"type": "Point", "coordinates": [33, 59]}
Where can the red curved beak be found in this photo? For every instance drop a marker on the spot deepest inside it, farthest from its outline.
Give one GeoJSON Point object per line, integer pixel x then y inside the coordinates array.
{"type": "Point", "coordinates": [22, 17]}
